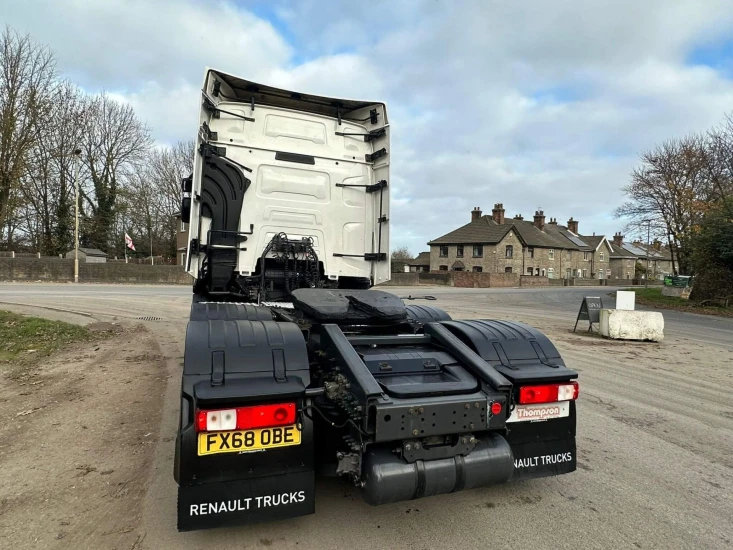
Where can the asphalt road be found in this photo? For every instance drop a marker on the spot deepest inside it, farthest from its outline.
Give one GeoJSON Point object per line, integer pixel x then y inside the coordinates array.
{"type": "Point", "coordinates": [655, 437]}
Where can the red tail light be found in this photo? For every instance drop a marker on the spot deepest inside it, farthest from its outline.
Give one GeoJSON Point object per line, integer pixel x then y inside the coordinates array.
{"type": "Point", "coordinates": [548, 393]}
{"type": "Point", "coordinates": [246, 418]}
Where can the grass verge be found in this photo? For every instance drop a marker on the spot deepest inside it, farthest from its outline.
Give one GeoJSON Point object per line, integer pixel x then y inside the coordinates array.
{"type": "Point", "coordinates": [24, 340]}
{"type": "Point", "coordinates": [653, 297]}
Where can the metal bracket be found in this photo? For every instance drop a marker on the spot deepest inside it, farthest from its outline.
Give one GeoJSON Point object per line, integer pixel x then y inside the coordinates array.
{"type": "Point", "coordinates": [382, 219]}
{"type": "Point", "coordinates": [210, 106]}
{"type": "Point", "coordinates": [208, 134]}
{"type": "Point", "coordinates": [373, 116]}
{"type": "Point", "coordinates": [217, 88]}
{"type": "Point", "coordinates": [207, 150]}
{"type": "Point", "coordinates": [413, 450]}
{"type": "Point", "coordinates": [370, 188]}
{"type": "Point", "coordinates": [375, 257]}
{"type": "Point", "coordinates": [376, 155]}
{"type": "Point", "coordinates": [373, 134]}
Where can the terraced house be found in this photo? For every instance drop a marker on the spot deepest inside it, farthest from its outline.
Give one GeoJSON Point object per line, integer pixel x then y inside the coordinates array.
{"type": "Point", "coordinates": [497, 244]}
{"type": "Point", "coordinates": [629, 260]}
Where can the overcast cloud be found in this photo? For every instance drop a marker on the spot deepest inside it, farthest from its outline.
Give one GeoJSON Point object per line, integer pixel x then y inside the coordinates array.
{"type": "Point", "coordinates": [533, 104]}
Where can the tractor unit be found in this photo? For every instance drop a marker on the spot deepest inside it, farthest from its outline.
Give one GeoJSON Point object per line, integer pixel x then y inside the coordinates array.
{"type": "Point", "coordinates": [294, 365]}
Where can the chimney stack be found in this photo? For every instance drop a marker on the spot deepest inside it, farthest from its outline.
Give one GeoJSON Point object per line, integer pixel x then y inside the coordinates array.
{"type": "Point", "coordinates": [498, 213]}
{"type": "Point", "coordinates": [475, 213]}
{"type": "Point", "coordinates": [519, 217]}
{"type": "Point", "coordinates": [657, 244]}
{"type": "Point", "coordinates": [618, 239]}
{"type": "Point", "coordinates": [539, 220]}
{"type": "Point", "coordinates": [553, 221]}
{"type": "Point", "coordinates": [572, 225]}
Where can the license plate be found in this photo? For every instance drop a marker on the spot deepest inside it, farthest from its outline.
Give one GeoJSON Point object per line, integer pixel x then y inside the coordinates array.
{"type": "Point", "coordinates": [248, 440]}
{"type": "Point", "coordinates": [541, 411]}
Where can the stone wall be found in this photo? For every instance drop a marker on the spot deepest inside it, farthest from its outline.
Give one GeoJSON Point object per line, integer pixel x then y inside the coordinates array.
{"type": "Point", "coordinates": [61, 270]}
{"type": "Point", "coordinates": [402, 279]}
{"type": "Point", "coordinates": [526, 280]}
{"type": "Point", "coordinates": [443, 279]}
{"type": "Point", "coordinates": [35, 269]}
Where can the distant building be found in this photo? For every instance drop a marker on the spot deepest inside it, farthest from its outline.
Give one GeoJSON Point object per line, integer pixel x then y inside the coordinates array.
{"type": "Point", "coordinates": [89, 255]}
{"type": "Point", "coordinates": [419, 264]}
{"type": "Point", "coordinates": [495, 244]}
{"type": "Point", "coordinates": [627, 258]}
{"type": "Point", "coordinates": [181, 240]}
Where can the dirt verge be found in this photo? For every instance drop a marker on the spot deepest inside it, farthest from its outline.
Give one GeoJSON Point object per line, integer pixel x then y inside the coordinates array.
{"type": "Point", "coordinates": [76, 442]}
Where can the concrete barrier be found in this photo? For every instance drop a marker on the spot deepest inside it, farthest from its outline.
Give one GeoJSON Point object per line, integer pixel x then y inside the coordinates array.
{"type": "Point", "coordinates": [620, 324]}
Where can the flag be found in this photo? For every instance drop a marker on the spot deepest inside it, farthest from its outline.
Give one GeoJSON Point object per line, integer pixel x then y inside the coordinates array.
{"type": "Point", "coordinates": [128, 242]}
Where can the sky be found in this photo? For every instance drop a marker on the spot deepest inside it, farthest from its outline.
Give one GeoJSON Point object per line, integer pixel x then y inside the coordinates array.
{"type": "Point", "coordinates": [533, 104]}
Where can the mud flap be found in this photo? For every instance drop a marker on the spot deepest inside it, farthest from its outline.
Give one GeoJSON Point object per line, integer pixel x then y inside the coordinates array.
{"type": "Point", "coordinates": [246, 501]}
{"type": "Point", "coordinates": [544, 458]}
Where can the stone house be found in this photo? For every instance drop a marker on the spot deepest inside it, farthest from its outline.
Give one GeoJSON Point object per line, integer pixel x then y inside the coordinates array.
{"type": "Point", "coordinates": [181, 240]}
{"type": "Point", "coordinates": [419, 264]}
{"type": "Point", "coordinates": [496, 244]}
{"type": "Point", "coordinates": [628, 255]}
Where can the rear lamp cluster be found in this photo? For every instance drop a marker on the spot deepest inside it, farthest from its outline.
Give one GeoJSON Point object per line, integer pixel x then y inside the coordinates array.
{"type": "Point", "coordinates": [548, 393]}
{"type": "Point", "coordinates": [246, 418]}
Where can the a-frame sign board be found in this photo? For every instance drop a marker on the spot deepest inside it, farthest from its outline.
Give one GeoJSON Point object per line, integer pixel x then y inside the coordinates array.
{"type": "Point", "coordinates": [590, 310]}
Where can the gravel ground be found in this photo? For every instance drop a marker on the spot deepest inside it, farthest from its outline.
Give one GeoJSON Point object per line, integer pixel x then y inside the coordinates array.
{"type": "Point", "coordinates": [655, 440]}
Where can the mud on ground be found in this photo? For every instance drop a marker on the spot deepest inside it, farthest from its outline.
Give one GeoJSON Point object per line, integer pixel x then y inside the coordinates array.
{"type": "Point", "coordinates": [77, 435]}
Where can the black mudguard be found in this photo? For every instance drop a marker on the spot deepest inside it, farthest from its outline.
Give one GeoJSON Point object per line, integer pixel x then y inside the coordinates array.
{"type": "Point", "coordinates": [231, 363]}
{"type": "Point", "coordinates": [526, 356]}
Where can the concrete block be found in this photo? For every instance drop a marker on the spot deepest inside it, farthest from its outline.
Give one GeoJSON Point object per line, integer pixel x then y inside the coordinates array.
{"type": "Point", "coordinates": [621, 324]}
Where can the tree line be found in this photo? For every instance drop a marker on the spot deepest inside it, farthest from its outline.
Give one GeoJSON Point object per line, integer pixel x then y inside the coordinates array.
{"type": "Point", "coordinates": [682, 192]}
{"type": "Point", "coordinates": [50, 130]}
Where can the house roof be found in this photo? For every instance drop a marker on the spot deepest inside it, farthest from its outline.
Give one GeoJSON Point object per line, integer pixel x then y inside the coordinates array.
{"type": "Point", "coordinates": [620, 252]}
{"type": "Point", "coordinates": [486, 231]}
{"type": "Point", "coordinates": [458, 264]}
{"type": "Point", "coordinates": [481, 231]}
{"type": "Point", "coordinates": [92, 252]}
{"type": "Point", "coordinates": [593, 241]}
{"type": "Point", "coordinates": [422, 259]}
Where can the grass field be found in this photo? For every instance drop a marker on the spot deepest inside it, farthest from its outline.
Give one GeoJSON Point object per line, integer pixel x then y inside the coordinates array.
{"type": "Point", "coordinates": [25, 339]}
{"type": "Point", "coordinates": [653, 297]}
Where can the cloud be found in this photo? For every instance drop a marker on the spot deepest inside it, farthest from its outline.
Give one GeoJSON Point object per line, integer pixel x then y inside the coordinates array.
{"type": "Point", "coordinates": [526, 103]}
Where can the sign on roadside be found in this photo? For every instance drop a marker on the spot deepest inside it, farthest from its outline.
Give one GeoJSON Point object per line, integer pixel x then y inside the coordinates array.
{"type": "Point", "coordinates": [590, 310]}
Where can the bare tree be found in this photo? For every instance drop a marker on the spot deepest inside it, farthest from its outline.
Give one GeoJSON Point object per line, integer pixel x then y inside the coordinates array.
{"type": "Point", "coordinates": [27, 75]}
{"type": "Point", "coordinates": [401, 254]}
{"type": "Point", "coordinates": [115, 141]}
{"type": "Point", "coordinates": [48, 180]}
{"type": "Point", "coordinates": [670, 191]}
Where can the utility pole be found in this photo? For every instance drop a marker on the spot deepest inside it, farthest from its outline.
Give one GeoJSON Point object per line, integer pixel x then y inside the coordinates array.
{"type": "Point", "coordinates": [648, 232]}
{"type": "Point", "coordinates": [77, 155]}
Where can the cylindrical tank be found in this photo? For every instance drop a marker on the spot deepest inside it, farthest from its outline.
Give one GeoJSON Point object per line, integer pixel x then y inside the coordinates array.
{"type": "Point", "coordinates": [388, 478]}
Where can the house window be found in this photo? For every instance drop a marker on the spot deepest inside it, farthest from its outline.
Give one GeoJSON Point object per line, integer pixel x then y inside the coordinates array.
{"type": "Point", "coordinates": [443, 268]}
{"type": "Point", "coordinates": [567, 273]}
{"type": "Point", "coordinates": [602, 256]}
{"type": "Point", "coordinates": [529, 271]}
{"type": "Point", "coordinates": [551, 254]}
{"type": "Point", "coordinates": [550, 273]}
{"type": "Point", "coordinates": [184, 226]}
{"type": "Point", "coordinates": [569, 255]}
{"type": "Point", "coordinates": [585, 273]}
{"type": "Point", "coordinates": [508, 269]}
{"type": "Point", "coordinates": [543, 272]}
{"type": "Point", "coordinates": [600, 274]}
{"type": "Point", "coordinates": [575, 272]}
{"type": "Point", "coordinates": [459, 251]}
{"type": "Point", "coordinates": [478, 251]}
{"type": "Point", "coordinates": [537, 272]}
{"type": "Point", "coordinates": [628, 275]}
{"type": "Point", "coordinates": [628, 263]}
{"type": "Point", "coordinates": [509, 251]}
{"type": "Point", "coordinates": [586, 256]}
{"type": "Point", "coordinates": [530, 252]}
{"type": "Point", "coordinates": [477, 269]}
{"type": "Point", "coordinates": [443, 251]}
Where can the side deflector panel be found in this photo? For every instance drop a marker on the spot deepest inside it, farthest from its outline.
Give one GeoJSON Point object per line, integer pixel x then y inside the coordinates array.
{"type": "Point", "coordinates": [223, 186]}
